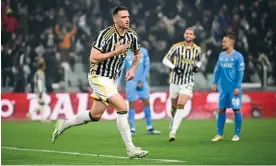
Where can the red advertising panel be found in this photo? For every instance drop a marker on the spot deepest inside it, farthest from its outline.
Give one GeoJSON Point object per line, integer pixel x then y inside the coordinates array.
{"type": "Point", "coordinates": [65, 105]}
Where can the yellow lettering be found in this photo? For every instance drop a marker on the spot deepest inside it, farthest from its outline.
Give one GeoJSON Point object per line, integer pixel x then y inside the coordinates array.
{"type": "Point", "coordinates": [188, 61]}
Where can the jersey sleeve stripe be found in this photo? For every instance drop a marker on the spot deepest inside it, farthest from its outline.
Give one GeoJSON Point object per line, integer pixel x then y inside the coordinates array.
{"type": "Point", "coordinates": [98, 49]}
{"type": "Point", "coordinates": [133, 32]}
{"type": "Point", "coordinates": [109, 33]}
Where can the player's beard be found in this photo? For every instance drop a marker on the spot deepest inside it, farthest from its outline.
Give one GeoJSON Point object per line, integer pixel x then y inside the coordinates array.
{"type": "Point", "coordinates": [188, 41]}
{"type": "Point", "coordinates": [125, 26]}
{"type": "Point", "coordinates": [122, 25]}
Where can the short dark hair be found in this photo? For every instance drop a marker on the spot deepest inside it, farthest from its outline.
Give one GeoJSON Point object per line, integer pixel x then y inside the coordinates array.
{"type": "Point", "coordinates": [117, 9]}
{"type": "Point", "coordinates": [40, 64]}
{"type": "Point", "coordinates": [231, 36]}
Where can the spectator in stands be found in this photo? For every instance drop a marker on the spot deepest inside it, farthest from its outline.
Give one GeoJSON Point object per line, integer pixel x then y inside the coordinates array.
{"type": "Point", "coordinates": [199, 31]}
{"type": "Point", "coordinates": [6, 64]}
{"type": "Point", "coordinates": [10, 24]}
{"type": "Point", "coordinates": [65, 43]}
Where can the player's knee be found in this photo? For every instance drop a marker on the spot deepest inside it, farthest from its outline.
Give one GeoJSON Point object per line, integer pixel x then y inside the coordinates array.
{"type": "Point", "coordinates": [180, 106]}
{"type": "Point", "coordinates": [95, 117]}
{"type": "Point", "coordinates": [181, 103]}
{"type": "Point", "coordinates": [41, 103]}
{"type": "Point", "coordinates": [122, 109]}
{"type": "Point", "coordinates": [146, 102]}
{"type": "Point", "coordinates": [222, 111]}
{"type": "Point", "coordinates": [174, 107]}
{"type": "Point", "coordinates": [236, 111]}
{"type": "Point", "coordinates": [131, 104]}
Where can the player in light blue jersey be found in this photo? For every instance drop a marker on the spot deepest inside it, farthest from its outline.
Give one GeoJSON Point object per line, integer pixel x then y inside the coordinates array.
{"type": "Point", "coordinates": [138, 88]}
{"type": "Point", "coordinates": [228, 74]}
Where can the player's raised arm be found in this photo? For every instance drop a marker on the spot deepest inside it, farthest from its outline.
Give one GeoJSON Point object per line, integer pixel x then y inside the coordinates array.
{"type": "Point", "coordinates": [167, 59]}
{"type": "Point", "coordinates": [146, 66]}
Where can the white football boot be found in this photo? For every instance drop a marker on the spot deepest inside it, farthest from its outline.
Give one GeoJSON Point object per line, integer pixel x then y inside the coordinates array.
{"type": "Point", "coordinates": [217, 138]}
{"type": "Point", "coordinates": [235, 138]}
{"type": "Point", "coordinates": [172, 137]}
{"type": "Point", "coordinates": [58, 130]}
{"type": "Point", "coordinates": [136, 152]}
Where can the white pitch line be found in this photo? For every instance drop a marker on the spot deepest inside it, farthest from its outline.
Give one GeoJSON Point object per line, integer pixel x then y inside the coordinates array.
{"type": "Point", "coordinates": [87, 154]}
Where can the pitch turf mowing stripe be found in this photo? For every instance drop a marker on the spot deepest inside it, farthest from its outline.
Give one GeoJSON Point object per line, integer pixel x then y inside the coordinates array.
{"type": "Point", "coordinates": [86, 154]}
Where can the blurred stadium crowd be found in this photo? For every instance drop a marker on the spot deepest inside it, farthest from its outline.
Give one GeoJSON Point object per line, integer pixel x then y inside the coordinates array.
{"type": "Point", "coordinates": [62, 31]}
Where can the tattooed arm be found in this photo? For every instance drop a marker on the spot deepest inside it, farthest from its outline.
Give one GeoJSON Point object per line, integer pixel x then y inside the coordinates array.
{"type": "Point", "coordinates": [130, 74]}
{"type": "Point", "coordinates": [136, 60]}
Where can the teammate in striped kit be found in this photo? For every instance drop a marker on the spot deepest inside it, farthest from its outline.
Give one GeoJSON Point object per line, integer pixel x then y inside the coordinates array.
{"type": "Point", "coordinates": [186, 58]}
{"type": "Point", "coordinates": [106, 58]}
{"type": "Point", "coordinates": [40, 90]}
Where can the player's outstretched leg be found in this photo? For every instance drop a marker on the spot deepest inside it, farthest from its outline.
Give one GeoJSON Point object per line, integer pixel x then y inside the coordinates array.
{"type": "Point", "coordinates": [238, 123]}
{"type": "Point", "coordinates": [150, 129]}
{"type": "Point", "coordinates": [131, 117]}
{"type": "Point", "coordinates": [83, 117]}
{"type": "Point", "coordinates": [119, 104]}
{"type": "Point", "coordinates": [220, 125]}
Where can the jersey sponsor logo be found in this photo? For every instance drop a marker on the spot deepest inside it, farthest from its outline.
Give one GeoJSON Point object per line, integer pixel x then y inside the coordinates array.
{"type": "Point", "coordinates": [188, 61]}
{"type": "Point", "coordinates": [227, 65]}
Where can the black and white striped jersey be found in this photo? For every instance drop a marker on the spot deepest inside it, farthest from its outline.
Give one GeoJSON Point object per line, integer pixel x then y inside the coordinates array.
{"type": "Point", "coordinates": [39, 82]}
{"type": "Point", "coordinates": [184, 58]}
{"type": "Point", "coordinates": [105, 42]}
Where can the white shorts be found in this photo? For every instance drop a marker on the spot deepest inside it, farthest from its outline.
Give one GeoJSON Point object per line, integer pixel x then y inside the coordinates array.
{"type": "Point", "coordinates": [103, 87]}
{"type": "Point", "coordinates": [176, 90]}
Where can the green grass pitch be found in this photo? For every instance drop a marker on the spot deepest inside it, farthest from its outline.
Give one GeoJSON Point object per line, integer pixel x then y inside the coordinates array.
{"type": "Point", "coordinates": [100, 143]}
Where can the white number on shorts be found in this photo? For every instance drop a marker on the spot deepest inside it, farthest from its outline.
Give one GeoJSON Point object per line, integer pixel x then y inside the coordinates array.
{"type": "Point", "coordinates": [236, 101]}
